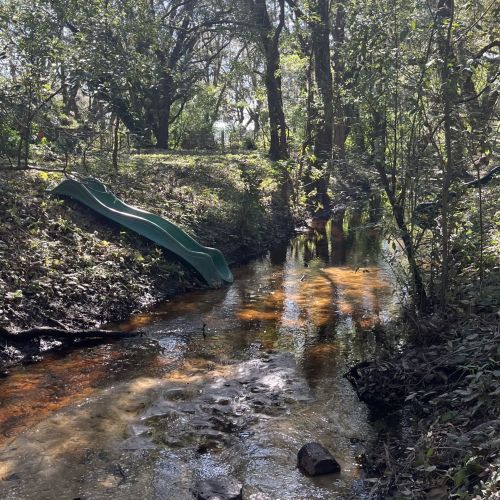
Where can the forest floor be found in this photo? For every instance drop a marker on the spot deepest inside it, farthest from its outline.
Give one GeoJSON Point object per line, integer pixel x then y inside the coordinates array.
{"type": "Point", "coordinates": [436, 403]}
{"type": "Point", "coordinates": [63, 264]}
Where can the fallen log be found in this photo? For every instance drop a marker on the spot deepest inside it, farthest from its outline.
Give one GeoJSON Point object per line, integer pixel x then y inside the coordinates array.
{"type": "Point", "coordinates": [62, 334]}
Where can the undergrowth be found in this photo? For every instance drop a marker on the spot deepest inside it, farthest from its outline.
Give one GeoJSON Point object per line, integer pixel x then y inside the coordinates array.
{"type": "Point", "coordinates": [62, 262]}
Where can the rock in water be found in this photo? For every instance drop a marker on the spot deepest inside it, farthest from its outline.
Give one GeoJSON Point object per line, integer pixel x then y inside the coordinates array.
{"type": "Point", "coordinates": [314, 459]}
{"type": "Point", "coordinates": [221, 488]}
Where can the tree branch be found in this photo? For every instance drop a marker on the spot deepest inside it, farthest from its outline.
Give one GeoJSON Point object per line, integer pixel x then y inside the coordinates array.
{"type": "Point", "coordinates": [62, 334]}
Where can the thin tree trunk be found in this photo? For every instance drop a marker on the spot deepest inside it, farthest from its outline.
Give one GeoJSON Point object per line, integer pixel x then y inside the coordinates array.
{"type": "Point", "coordinates": [116, 142]}
{"type": "Point", "coordinates": [307, 144]}
{"type": "Point", "coordinates": [20, 151]}
{"type": "Point", "coordinates": [446, 13]}
{"type": "Point", "coordinates": [378, 147]}
{"type": "Point", "coordinates": [27, 144]}
{"type": "Point", "coordinates": [339, 126]}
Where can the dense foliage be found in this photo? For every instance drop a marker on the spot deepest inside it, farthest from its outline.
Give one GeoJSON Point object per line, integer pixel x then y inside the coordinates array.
{"type": "Point", "coordinates": [388, 108]}
{"type": "Point", "coordinates": [381, 103]}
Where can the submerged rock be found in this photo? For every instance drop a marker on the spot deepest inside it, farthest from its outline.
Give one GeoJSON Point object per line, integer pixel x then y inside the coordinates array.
{"type": "Point", "coordinates": [221, 488]}
{"type": "Point", "coordinates": [314, 459]}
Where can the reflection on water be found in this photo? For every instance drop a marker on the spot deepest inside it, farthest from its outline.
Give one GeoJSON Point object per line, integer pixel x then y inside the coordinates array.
{"type": "Point", "coordinates": [148, 416]}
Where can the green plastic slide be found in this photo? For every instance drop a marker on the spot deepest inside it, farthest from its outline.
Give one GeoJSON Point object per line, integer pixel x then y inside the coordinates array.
{"type": "Point", "coordinates": [209, 262]}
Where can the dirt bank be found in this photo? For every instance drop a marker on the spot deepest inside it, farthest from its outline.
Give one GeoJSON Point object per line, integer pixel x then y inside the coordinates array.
{"type": "Point", "coordinates": [61, 263]}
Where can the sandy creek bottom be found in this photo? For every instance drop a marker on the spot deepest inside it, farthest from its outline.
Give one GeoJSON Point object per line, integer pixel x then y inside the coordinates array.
{"type": "Point", "coordinates": [147, 417]}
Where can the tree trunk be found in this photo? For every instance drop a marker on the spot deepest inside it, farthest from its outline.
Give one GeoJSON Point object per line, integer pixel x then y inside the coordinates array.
{"type": "Point", "coordinates": [323, 133]}
{"type": "Point", "coordinates": [378, 151]}
{"type": "Point", "coordinates": [307, 144]}
{"type": "Point", "coordinates": [269, 36]}
{"type": "Point", "coordinates": [278, 143]}
{"type": "Point", "coordinates": [163, 130]}
{"type": "Point", "coordinates": [121, 108]}
{"type": "Point", "coordinates": [445, 17]}
{"type": "Point", "coordinates": [165, 105]}
{"type": "Point", "coordinates": [116, 142]}
{"type": "Point", "coordinates": [69, 93]}
{"type": "Point", "coordinates": [339, 127]}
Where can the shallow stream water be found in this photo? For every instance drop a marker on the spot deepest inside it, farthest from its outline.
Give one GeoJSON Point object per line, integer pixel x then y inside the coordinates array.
{"type": "Point", "coordinates": [147, 417]}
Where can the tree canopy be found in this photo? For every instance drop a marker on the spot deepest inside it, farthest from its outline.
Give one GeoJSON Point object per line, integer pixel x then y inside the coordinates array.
{"type": "Point", "coordinates": [358, 103]}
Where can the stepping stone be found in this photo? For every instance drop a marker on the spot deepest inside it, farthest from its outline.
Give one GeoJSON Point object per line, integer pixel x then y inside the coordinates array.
{"type": "Point", "coordinates": [221, 488]}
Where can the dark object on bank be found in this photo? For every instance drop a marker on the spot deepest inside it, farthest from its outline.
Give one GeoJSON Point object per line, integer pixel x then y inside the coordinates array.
{"type": "Point", "coordinates": [426, 212]}
{"type": "Point", "coordinates": [484, 179]}
{"type": "Point", "coordinates": [378, 385]}
{"type": "Point", "coordinates": [220, 488]}
{"type": "Point", "coordinates": [314, 459]}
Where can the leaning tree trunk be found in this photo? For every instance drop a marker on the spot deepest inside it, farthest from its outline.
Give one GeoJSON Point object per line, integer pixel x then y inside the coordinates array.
{"type": "Point", "coordinates": [378, 151]}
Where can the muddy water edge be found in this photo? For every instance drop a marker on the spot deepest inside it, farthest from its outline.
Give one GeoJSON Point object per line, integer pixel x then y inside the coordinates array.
{"type": "Point", "coordinates": [228, 382]}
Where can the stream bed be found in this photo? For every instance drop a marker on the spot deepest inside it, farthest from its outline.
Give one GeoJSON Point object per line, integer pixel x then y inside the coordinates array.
{"type": "Point", "coordinates": [229, 382]}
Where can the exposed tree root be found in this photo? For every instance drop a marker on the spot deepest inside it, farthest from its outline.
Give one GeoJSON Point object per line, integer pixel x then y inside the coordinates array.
{"type": "Point", "coordinates": [62, 334]}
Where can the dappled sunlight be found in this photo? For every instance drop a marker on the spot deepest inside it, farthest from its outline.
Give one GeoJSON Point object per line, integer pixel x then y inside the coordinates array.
{"type": "Point", "coordinates": [320, 295]}
{"type": "Point", "coordinates": [321, 351]}
{"type": "Point", "coordinates": [263, 308]}
{"type": "Point", "coordinates": [195, 370]}
{"type": "Point", "coordinates": [316, 300]}
{"type": "Point", "coordinates": [208, 365]}
{"type": "Point", "coordinates": [250, 314]}
{"type": "Point", "coordinates": [70, 439]}
{"type": "Point", "coordinates": [29, 396]}
{"type": "Point", "coordinates": [357, 283]}
{"type": "Point", "coordinates": [6, 468]}
{"type": "Point", "coordinates": [51, 385]}
{"type": "Point", "coordinates": [136, 322]}
{"type": "Point", "coordinates": [139, 321]}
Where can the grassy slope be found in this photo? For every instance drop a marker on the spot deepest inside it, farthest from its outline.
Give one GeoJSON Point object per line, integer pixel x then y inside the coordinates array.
{"type": "Point", "coordinates": [61, 261]}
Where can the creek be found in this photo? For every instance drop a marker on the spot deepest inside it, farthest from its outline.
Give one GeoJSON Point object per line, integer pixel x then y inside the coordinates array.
{"type": "Point", "coordinates": [228, 382]}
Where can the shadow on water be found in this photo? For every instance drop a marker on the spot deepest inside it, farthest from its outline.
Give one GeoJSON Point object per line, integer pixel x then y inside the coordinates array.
{"type": "Point", "coordinates": [237, 397]}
